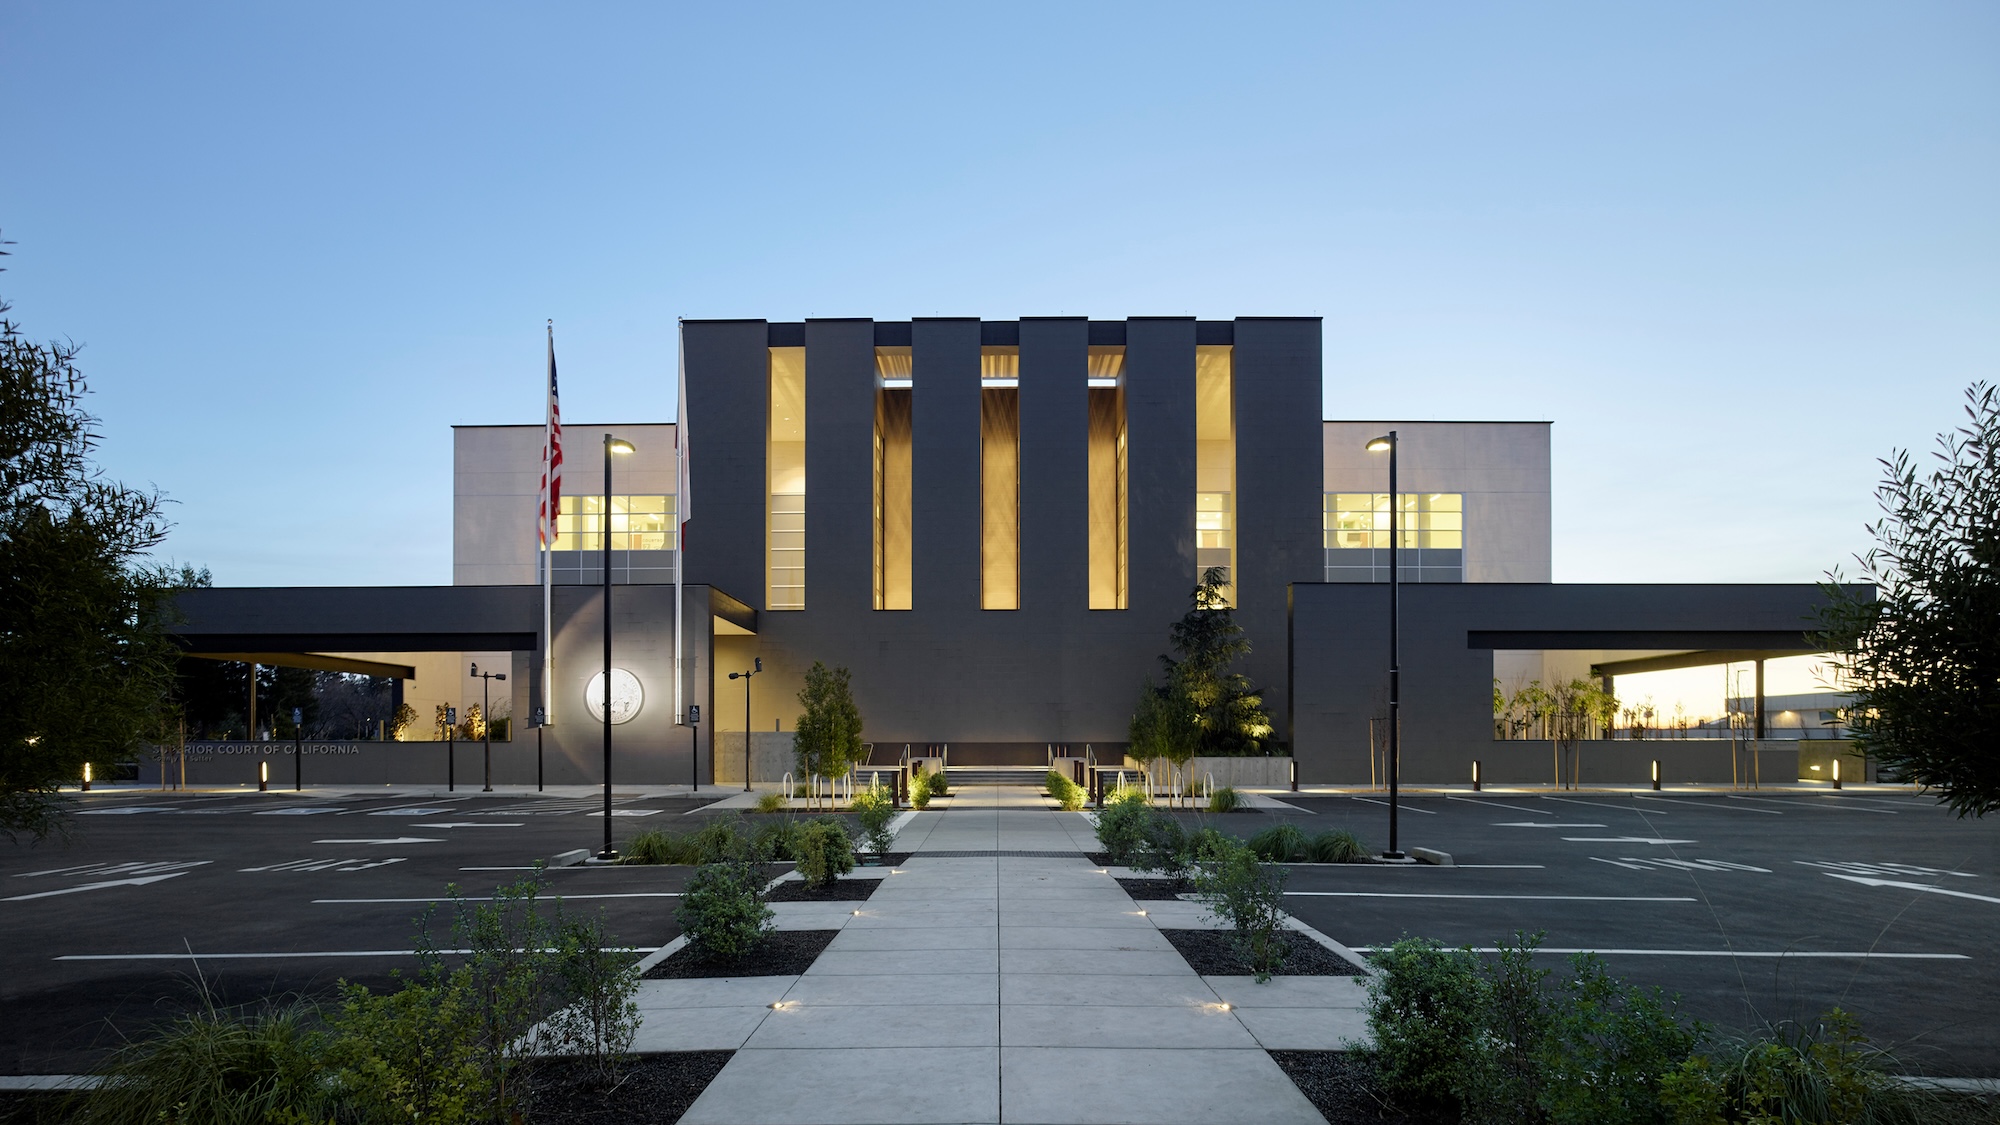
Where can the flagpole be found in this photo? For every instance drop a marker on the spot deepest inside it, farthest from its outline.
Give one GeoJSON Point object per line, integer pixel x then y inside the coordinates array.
{"type": "Point", "coordinates": [548, 517]}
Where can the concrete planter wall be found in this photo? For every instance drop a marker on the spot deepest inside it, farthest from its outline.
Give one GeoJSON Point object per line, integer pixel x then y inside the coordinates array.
{"type": "Point", "coordinates": [1625, 762]}
{"type": "Point", "coordinates": [1237, 773]}
{"type": "Point", "coordinates": [771, 757]}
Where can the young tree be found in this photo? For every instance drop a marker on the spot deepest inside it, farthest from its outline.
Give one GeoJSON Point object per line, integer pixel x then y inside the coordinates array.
{"type": "Point", "coordinates": [86, 664]}
{"type": "Point", "coordinates": [828, 740]}
{"type": "Point", "coordinates": [1922, 656]}
{"type": "Point", "coordinates": [1203, 707]}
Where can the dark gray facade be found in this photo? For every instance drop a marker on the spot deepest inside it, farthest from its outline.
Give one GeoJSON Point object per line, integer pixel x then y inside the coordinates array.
{"type": "Point", "coordinates": [1340, 659]}
{"type": "Point", "coordinates": [1001, 684]}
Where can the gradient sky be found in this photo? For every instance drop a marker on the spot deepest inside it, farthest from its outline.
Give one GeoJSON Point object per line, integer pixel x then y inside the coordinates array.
{"type": "Point", "coordinates": [1734, 252]}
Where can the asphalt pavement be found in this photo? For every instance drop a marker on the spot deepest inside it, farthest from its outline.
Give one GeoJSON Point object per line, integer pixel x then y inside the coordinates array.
{"type": "Point", "coordinates": [250, 895]}
{"type": "Point", "coordinates": [1754, 907]}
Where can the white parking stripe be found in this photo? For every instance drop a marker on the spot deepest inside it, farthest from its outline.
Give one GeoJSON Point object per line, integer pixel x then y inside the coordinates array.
{"type": "Point", "coordinates": [472, 898]}
{"type": "Point", "coordinates": [1868, 955]}
{"type": "Point", "coordinates": [1527, 898]}
{"type": "Point", "coordinates": [1399, 804]}
{"type": "Point", "coordinates": [1808, 804]}
{"type": "Point", "coordinates": [1500, 805]}
{"type": "Point", "coordinates": [1706, 805]}
{"type": "Point", "coordinates": [281, 956]}
{"type": "Point", "coordinates": [1602, 805]}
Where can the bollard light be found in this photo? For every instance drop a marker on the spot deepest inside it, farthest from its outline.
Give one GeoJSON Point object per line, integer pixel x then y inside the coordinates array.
{"type": "Point", "coordinates": [86, 777]}
{"type": "Point", "coordinates": [1656, 773]}
{"type": "Point", "coordinates": [1836, 773]}
{"type": "Point", "coordinates": [263, 776]}
{"type": "Point", "coordinates": [1475, 775]}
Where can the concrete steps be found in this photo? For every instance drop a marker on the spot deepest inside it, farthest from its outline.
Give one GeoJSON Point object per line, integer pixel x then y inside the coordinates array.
{"type": "Point", "coordinates": [996, 775]}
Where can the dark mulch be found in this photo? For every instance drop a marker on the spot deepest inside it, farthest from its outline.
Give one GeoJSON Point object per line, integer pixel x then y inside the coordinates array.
{"type": "Point", "coordinates": [782, 953]}
{"type": "Point", "coordinates": [887, 859]}
{"type": "Point", "coordinates": [1154, 890]}
{"type": "Point", "coordinates": [840, 890]}
{"type": "Point", "coordinates": [35, 1107]}
{"type": "Point", "coordinates": [1101, 859]}
{"type": "Point", "coordinates": [1343, 1088]}
{"type": "Point", "coordinates": [652, 1089]}
{"type": "Point", "coordinates": [1213, 955]}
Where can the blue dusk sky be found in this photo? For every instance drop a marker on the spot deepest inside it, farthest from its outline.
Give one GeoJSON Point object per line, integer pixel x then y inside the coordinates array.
{"type": "Point", "coordinates": [1736, 252]}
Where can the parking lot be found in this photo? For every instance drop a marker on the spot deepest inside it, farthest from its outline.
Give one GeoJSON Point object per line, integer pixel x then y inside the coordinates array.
{"type": "Point", "coordinates": [1753, 906]}
{"type": "Point", "coordinates": [1757, 906]}
{"type": "Point", "coordinates": [276, 894]}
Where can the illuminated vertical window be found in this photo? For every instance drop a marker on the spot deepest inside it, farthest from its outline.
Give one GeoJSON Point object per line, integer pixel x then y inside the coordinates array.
{"type": "Point", "coordinates": [893, 388]}
{"type": "Point", "coordinates": [785, 466]}
{"type": "Point", "coordinates": [1109, 561]}
{"type": "Point", "coordinates": [1000, 478]}
{"type": "Point", "coordinates": [1215, 463]}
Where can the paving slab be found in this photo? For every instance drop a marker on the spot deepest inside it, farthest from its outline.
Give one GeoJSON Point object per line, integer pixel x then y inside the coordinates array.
{"type": "Point", "coordinates": [899, 988]}
{"type": "Point", "coordinates": [1291, 992]}
{"type": "Point", "coordinates": [716, 992]}
{"type": "Point", "coordinates": [1114, 1086]}
{"type": "Point", "coordinates": [1099, 1025]}
{"type": "Point", "coordinates": [1306, 1029]}
{"type": "Point", "coordinates": [853, 1086]}
{"type": "Point", "coordinates": [863, 939]}
{"type": "Point", "coordinates": [914, 962]}
{"type": "Point", "coordinates": [1089, 938]}
{"type": "Point", "coordinates": [699, 1029]}
{"type": "Point", "coordinates": [913, 1025]}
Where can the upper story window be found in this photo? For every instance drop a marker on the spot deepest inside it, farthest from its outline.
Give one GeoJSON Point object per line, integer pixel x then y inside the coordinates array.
{"type": "Point", "coordinates": [638, 523]}
{"type": "Point", "coordinates": [1358, 528]}
{"type": "Point", "coordinates": [785, 484]}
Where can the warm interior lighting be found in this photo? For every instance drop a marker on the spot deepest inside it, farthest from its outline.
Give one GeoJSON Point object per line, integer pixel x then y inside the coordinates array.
{"type": "Point", "coordinates": [1107, 478]}
{"type": "Point", "coordinates": [1215, 463]}
{"type": "Point", "coordinates": [892, 514]}
{"type": "Point", "coordinates": [1000, 478]}
{"type": "Point", "coordinates": [785, 481]}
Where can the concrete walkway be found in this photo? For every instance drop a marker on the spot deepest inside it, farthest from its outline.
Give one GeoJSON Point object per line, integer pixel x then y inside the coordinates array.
{"type": "Point", "coordinates": [989, 988]}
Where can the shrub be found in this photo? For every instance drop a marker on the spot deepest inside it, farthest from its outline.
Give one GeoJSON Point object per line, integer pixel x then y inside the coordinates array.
{"type": "Point", "coordinates": [1426, 1013]}
{"type": "Point", "coordinates": [940, 783]}
{"type": "Point", "coordinates": [1823, 1071]}
{"type": "Point", "coordinates": [1225, 799]}
{"type": "Point", "coordinates": [774, 841]}
{"type": "Point", "coordinates": [771, 802]}
{"type": "Point", "coordinates": [502, 980]}
{"type": "Point", "coordinates": [1067, 793]}
{"type": "Point", "coordinates": [408, 1055]}
{"type": "Point", "coordinates": [1247, 893]}
{"type": "Point", "coordinates": [874, 809]}
{"type": "Point", "coordinates": [1163, 844]}
{"type": "Point", "coordinates": [920, 789]}
{"type": "Point", "coordinates": [1337, 845]}
{"type": "Point", "coordinates": [598, 1017]}
{"type": "Point", "coordinates": [722, 909]}
{"type": "Point", "coordinates": [1121, 825]}
{"type": "Point", "coordinates": [1280, 843]}
{"type": "Point", "coordinates": [824, 851]}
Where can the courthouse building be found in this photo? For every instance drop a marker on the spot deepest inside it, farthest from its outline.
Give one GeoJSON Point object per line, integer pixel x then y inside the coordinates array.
{"type": "Point", "coordinates": [992, 524]}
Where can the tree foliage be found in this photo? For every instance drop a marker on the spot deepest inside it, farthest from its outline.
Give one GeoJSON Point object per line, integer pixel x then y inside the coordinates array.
{"type": "Point", "coordinates": [86, 665]}
{"type": "Point", "coordinates": [1922, 656]}
{"type": "Point", "coordinates": [1202, 708]}
{"type": "Point", "coordinates": [828, 738]}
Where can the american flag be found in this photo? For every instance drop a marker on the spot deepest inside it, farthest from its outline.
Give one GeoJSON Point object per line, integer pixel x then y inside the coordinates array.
{"type": "Point", "coordinates": [551, 457]}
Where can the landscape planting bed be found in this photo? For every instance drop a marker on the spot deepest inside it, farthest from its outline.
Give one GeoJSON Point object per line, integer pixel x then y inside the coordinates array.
{"type": "Point", "coordinates": [840, 890]}
{"type": "Point", "coordinates": [782, 953]}
{"type": "Point", "coordinates": [1212, 954]}
{"type": "Point", "coordinates": [651, 1089]}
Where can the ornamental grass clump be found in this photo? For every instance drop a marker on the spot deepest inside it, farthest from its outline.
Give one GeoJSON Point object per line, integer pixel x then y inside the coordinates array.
{"type": "Point", "coordinates": [1225, 799]}
{"type": "Point", "coordinates": [654, 846]}
{"type": "Point", "coordinates": [722, 910]}
{"type": "Point", "coordinates": [772, 802]}
{"type": "Point", "coordinates": [1280, 843]}
{"type": "Point", "coordinates": [1337, 845]}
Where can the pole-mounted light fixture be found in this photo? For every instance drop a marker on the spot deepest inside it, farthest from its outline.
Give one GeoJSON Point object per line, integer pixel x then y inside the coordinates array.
{"type": "Point", "coordinates": [620, 446]}
{"type": "Point", "coordinates": [756, 667]}
{"type": "Point", "coordinates": [1387, 442]}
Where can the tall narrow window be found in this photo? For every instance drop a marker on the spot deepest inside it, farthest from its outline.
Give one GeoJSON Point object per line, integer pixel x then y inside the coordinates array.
{"type": "Point", "coordinates": [1000, 478]}
{"type": "Point", "coordinates": [893, 387]}
{"type": "Point", "coordinates": [1109, 565]}
{"type": "Point", "coordinates": [1215, 463]}
{"type": "Point", "coordinates": [785, 466]}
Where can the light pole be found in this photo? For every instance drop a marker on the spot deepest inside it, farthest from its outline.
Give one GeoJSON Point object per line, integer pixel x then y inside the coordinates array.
{"type": "Point", "coordinates": [611, 445]}
{"type": "Point", "coordinates": [486, 717]}
{"type": "Point", "coordinates": [757, 666]}
{"type": "Point", "coordinates": [1388, 442]}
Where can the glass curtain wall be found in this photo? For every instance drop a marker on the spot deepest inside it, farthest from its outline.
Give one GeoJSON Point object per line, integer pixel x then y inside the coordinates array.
{"type": "Point", "coordinates": [1109, 520]}
{"type": "Point", "coordinates": [1215, 463]}
{"type": "Point", "coordinates": [893, 388]}
{"type": "Point", "coordinates": [785, 468]}
{"type": "Point", "coordinates": [1000, 478]}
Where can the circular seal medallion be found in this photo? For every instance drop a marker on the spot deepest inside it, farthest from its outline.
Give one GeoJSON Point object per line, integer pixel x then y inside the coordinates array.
{"type": "Point", "coordinates": [626, 696]}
